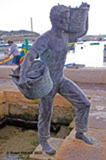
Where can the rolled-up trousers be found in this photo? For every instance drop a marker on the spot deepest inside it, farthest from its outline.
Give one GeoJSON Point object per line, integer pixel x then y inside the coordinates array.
{"type": "Point", "coordinates": [75, 96]}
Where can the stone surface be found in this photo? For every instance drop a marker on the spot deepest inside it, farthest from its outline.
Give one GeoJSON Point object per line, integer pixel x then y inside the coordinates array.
{"type": "Point", "coordinates": [15, 96]}
{"type": "Point", "coordinates": [20, 107]}
{"type": "Point", "coordinates": [3, 110]}
{"type": "Point", "coordinates": [97, 124]}
{"type": "Point", "coordinates": [63, 132]}
{"type": "Point", "coordinates": [3, 106]}
{"type": "Point", "coordinates": [83, 75]}
{"type": "Point", "coordinates": [87, 75]}
{"type": "Point", "coordinates": [61, 101]}
{"type": "Point", "coordinates": [5, 71]}
{"type": "Point", "coordinates": [2, 98]}
{"type": "Point", "coordinates": [24, 111]}
{"type": "Point", "coordinates": [62, 116]}
{"type": "Point", "coordinates": [38, 154]}
{"type": "Point", "coordinates": [73, 149]}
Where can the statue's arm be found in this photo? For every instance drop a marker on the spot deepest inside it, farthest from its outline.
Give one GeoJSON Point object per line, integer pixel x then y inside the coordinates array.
{"type": "Point", "coordinates": [83, 32]}
{"type": "Point", "coordinates": [34, 52]}
{"type": "Point", "coordinates": [31, 55]}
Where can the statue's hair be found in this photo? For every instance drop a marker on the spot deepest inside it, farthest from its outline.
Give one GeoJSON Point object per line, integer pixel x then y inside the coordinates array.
{"type": "Point", "coordinates": [57, 12]}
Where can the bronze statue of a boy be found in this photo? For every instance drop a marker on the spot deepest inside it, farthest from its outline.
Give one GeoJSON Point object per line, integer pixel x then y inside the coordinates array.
{"type": "Point", "coordinates": [67, 25]}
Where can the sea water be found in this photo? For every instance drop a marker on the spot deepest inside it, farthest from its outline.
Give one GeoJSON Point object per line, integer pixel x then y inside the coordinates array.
{"type": "Point", "coordinates": [2, 51]}
{"type": "Point", "coordinates": [84, 53]}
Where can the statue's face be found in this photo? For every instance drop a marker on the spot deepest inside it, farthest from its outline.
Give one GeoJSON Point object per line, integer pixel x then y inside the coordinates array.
{"type": "Point", "coordinates": [71, 20]}
{"type": "Point", "coordinates": [64, 21]}
{"type": "Point", "coordinates": [60, 16]}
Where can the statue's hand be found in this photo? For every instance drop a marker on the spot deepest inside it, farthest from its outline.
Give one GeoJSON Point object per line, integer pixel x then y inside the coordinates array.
{"type": "Point", "coordinates": [31, 55]}
{"type": "Point", "coordinates": [23, 82]}
{"type": "Point", "coordinates": [22, 79]}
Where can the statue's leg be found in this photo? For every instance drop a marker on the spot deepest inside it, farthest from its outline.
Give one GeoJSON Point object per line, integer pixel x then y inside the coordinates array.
{"type": "Point", "coordinates": [44, 120]}
{"type": "Point", "coordinates": [74, 94]}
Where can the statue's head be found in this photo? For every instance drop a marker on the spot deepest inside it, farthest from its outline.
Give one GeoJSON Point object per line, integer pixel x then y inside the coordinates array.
{"type": "Point", "coordinates": [71, 20]}
{"type": "Point", "coordinates": [59, 17]}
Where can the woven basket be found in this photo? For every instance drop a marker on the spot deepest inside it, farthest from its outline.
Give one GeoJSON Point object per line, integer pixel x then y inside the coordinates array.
{"type": "Point", "coordinates": [78, 19]}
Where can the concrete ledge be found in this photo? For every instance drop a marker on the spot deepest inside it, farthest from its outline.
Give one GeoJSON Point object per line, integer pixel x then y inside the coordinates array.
{"type": "Point", "coordinates": [87, 75]}
{"type": "Point", "coordinates": [81, 75]}
{"type": "Point", "coordinates": [5, 71]}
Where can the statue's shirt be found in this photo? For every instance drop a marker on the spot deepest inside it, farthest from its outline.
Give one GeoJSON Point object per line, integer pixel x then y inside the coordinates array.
{"type": "Point", "coordinates": [52, 51]}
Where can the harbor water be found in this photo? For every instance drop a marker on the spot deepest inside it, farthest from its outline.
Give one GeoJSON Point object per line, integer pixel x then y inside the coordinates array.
{"type": "Point", "coordinates": [90, 54]}
{"type": "Point", "coordinates": [2, 51]}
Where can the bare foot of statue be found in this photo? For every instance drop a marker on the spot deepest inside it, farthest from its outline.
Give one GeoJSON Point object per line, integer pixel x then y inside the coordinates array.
{"type": "Point", "coordinates": [47, 148]}
{"type": "Point", "coordinates": [84, 138]}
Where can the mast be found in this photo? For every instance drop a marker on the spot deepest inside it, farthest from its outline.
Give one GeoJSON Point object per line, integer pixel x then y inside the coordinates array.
{"type": "Point", "coordinates": [31, 25]}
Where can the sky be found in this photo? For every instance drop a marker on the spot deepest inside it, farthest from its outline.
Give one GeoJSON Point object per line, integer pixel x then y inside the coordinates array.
{"type": "Point", "coordinates": [17, 14]}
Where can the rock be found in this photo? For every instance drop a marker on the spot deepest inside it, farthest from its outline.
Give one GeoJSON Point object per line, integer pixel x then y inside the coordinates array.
{"type": "Point", "coordinates": [38, 154]}
{"type": "Point", "coordinates": [14, 104]}
{"type": "Point", "coordinates": [64, 131]}
{"type": "Point", "coordinates": [62, 115]}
